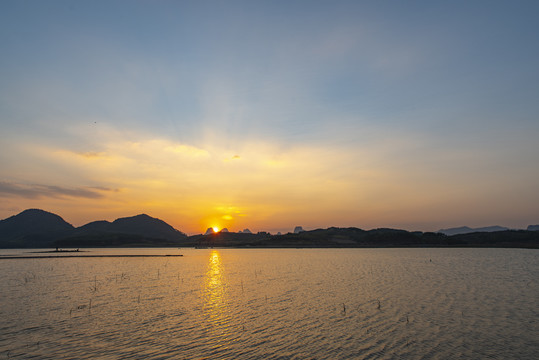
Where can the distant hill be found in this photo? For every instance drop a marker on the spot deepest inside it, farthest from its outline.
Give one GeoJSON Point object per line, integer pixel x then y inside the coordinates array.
{"type": "Point", "coordinates": [533, 228]}
{"type": "Point", "coordinates": [38, 228]}
{"type": "Point", "coordinates": [142, 225]}
{"type": "Point", "coordinates": [32, 228]}
{"type": "Point", "coordinates": [139, 230]}
{"type": "Point", "coordinates": [467, 230]}
{"type": "Point", "coordinates": [42, 229]}
{"type": "Point", "coordinates": [377, 238]}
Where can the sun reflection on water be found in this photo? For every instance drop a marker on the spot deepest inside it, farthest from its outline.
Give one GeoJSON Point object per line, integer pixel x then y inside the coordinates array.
{"type": "Point", "coordinates": [215, 305]}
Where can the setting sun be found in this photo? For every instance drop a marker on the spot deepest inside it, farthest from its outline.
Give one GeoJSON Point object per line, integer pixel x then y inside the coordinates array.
{"type": "Point", "coordinates": [215, 229]}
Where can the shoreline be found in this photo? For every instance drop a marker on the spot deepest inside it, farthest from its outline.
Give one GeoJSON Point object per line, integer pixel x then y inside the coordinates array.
{"type": "Point", "coordinates": [2, 257]}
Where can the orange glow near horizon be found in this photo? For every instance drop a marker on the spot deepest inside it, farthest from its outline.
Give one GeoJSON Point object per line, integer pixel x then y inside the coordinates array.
{"type": "Point", "coordinates": [267, 188]}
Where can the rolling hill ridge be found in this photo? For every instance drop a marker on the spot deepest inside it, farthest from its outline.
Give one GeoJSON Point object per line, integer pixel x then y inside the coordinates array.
{"type": "Point", "coordinates": [35, 228]}
{"type": "Point", "coordinates": [38, 228]}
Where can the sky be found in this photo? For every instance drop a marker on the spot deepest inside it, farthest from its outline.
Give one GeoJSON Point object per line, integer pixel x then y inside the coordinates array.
{"type": "Point", "coordinates": [267, 115]}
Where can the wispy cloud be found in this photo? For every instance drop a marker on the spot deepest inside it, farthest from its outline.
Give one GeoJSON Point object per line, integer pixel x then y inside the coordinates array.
{"type": "Point", "coordinates": [37, 191]}
{"type": "Point", "coordinates": [92, 154]}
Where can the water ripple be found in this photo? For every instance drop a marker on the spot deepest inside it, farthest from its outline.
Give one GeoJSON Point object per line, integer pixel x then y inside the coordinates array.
{"type": "Point", "coordinates": [275, 304]}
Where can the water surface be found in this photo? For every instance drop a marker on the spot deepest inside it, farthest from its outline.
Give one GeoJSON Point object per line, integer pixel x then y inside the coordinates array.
{"type": "Point", "coordinates": [273, 304]}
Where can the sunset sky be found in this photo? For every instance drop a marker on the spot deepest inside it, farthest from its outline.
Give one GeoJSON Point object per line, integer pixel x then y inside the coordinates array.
{"type": "Point", "coordinates": [417, 115]}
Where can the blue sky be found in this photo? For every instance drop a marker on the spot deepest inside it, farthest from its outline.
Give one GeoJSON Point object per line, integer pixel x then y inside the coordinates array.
{"type": "Point", "coordinates": [417, 114]}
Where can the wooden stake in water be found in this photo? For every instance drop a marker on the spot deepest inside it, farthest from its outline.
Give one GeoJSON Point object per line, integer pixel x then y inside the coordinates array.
{"type": "Point", "coordinates": [94, 288]}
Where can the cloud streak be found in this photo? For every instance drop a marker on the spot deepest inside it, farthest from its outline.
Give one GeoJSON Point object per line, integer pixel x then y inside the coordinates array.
{"type": "Point", "coordinates": [39, 191]}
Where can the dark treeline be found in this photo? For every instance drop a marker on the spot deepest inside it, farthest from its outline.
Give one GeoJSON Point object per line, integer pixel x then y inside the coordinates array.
{"type": "Point", "coordinates": [354, 238]}
{"type": "Point", "coordinates": [40, 229]}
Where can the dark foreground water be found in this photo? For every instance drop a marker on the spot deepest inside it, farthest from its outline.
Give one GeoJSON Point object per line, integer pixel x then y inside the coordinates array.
{"type": "Point", "coordinates": [273, 304]}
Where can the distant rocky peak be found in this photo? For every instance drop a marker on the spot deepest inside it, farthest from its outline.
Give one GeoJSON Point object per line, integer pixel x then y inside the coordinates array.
{"type": "Point", "coordinates": [467, 230]}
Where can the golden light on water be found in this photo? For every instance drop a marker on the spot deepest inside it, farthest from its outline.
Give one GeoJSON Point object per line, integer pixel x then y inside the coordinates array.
{"type": "Point", "coordinates": [213, 275]}
{"type": "Point", "coordinates": [215, 296]}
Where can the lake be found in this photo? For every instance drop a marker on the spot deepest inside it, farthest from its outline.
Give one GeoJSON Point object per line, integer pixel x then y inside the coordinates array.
{"type": "Point", "coordinates": [272, 304]}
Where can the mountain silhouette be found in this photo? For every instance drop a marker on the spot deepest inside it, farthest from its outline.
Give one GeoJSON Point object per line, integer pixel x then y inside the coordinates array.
{"type": "Point", "coordinates": [32, 228]}
{"type": "Point", "coordinates": [467, 230]}
{"type": "Point", "coordinates": [38, 228]}
{"type": "Point", "coordinates": [140, 225]}
{"type": "Point", "coordinates": [41, 229]}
